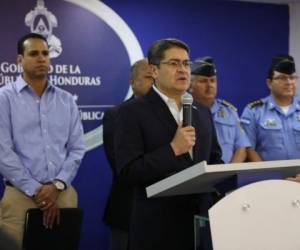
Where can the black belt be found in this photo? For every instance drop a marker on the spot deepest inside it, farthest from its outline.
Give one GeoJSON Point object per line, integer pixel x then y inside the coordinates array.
{"type": "Point", "coordinates": [7, 183]}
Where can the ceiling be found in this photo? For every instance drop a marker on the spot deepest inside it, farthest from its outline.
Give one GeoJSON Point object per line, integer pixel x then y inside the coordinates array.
{"type": "Point", "coordinates": [272, 1]}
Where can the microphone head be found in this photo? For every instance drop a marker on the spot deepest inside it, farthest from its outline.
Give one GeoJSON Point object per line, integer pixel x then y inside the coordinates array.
{"type": "Point", "coordinates": [187, 99]}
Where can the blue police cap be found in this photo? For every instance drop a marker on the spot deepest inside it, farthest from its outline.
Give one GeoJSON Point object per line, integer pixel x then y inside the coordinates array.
{"type": "Point", "coordinates": [204, 66]}
{"type": "Point", "coordinates": [283, 64]}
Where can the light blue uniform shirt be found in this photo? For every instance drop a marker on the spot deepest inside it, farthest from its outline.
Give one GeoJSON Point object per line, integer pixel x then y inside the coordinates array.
{"type": "Point", "coordinates": [230, 134]}
{"type": "Point", "coordinates": [41, 139]}
{"type": "Point", "coordinates": [273, 134]}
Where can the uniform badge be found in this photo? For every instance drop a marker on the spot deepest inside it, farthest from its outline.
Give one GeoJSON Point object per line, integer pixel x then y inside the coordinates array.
{"type": "Point", "coordinates": [270, 122]}
{"type": "Point", "coordinates": [298, 117]}
{"type": "Point", "coordinates": [221, 113]}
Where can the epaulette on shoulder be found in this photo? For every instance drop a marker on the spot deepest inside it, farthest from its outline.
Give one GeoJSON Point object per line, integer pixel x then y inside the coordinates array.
{"type": "Point", "coordinates": [255, 103]}
{"type": "Point", "coordinates": [228, 104]}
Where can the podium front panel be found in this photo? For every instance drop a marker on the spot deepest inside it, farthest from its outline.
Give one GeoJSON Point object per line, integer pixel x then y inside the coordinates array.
{"type": "Point", "coordinates": [262, 215]}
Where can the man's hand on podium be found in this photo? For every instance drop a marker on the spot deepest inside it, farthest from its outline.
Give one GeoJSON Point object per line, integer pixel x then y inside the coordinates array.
{"type": "Point", "coordinates": [295, 178]}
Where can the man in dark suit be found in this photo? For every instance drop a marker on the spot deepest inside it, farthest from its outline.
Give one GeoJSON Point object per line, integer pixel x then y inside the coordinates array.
{"type": "Point", "coordinates": [151, 144]}
{"type": "Point", "coordinates": [118, 206]}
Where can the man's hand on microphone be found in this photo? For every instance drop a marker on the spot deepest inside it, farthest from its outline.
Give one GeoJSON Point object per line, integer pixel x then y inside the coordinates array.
{"type": "Point", "coordinates": [184, 140]}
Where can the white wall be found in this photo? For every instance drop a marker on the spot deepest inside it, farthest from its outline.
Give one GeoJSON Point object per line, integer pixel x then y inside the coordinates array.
{"type": "Point", "coordinates": [294, 40]}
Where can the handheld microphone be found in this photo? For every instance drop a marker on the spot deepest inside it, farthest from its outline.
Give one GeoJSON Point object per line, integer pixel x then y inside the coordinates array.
{"type": "Point", "coordinates": [187, 100]}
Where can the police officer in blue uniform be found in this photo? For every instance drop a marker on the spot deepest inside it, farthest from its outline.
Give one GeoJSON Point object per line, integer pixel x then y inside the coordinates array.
{"type": "Point", "coordinates": [273, 123]}
{"type": "Point", "coordinates": [230, 134]}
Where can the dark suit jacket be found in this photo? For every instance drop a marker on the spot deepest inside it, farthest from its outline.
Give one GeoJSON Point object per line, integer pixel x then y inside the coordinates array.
{"type": "Point", "coordinates": [145, 128]}
{"type": "Point", "coordinates": [118, 207]}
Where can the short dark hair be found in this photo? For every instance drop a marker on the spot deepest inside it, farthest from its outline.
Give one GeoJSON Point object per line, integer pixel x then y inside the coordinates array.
{"type": "Point", "coordinates": [156, 52]}
{"type": "Point", "coordinates": [20, 45]}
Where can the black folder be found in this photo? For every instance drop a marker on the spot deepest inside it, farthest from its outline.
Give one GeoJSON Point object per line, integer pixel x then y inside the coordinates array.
{"type": "Point", "coordinates": [65, 236]}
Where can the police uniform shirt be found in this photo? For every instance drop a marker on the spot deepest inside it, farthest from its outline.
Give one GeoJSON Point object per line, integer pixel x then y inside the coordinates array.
{"type": "Point", "coordinates": [272, 133]}
{"type": "Point", "coordinates": [230, 134]}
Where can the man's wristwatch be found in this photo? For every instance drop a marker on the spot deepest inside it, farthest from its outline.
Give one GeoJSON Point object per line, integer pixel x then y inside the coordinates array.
{"type": "Point", "coordinates": [60, 185]}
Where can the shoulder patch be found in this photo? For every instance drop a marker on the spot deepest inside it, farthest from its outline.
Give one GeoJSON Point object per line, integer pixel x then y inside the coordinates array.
{"type": "Point", "coordinates": [255, 103]}
{"type": "Point", "coordinates": [228, 104]}
{"type": "Point", "coordinates": [246, 121]}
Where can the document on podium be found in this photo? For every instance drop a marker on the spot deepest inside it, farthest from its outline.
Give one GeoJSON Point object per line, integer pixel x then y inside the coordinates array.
{"type": "Point", "coordinates": [202, 177]}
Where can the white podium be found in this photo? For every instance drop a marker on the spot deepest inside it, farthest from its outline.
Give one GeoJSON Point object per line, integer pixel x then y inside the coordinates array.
{"type": "Point", "coordinates": [261, 216]}
{"type": "Point", "coordinates": [264, 215]}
